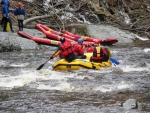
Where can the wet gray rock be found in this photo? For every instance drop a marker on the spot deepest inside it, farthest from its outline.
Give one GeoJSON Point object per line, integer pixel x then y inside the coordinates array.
{"type": "Point", "coordinates": [12, 41]}
{"type": "Point", "coordinates": [106, 31]}
{"type": "Point", "coordinates": [133, 104]}
{"type": "Point", "coordinates": [130, 104]}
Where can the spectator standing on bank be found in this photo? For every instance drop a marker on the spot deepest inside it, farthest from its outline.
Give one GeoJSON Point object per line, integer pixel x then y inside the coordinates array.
{"type": "Point", "coordinates": [4, 2]}
{"type": "Point", "coordinates": [20, 13]}
{"type": "Point", "coordinates": [6, 16]}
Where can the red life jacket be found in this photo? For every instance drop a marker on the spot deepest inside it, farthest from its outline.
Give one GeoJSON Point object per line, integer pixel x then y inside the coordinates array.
{"type": "Point", "coordinates": [98, 53]}
{"type": "Point", "coordinates": [78, 49]}
{"type": "Point", "coordinates": [66, 48]}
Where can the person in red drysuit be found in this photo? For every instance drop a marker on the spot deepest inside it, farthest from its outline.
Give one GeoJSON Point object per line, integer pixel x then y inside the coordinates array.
{"type": "Point", "coordinates": [100, 54]}
{"type": "Point", "coordinates": [79, 50]}
{"type": "Point", "coordinates": [66, 50]}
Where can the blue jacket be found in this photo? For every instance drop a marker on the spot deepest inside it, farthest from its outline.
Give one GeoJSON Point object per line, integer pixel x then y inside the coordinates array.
{"type": "Point", "coordinates": [5, 10]}
{"type": "Point", "coordinates": [19, 11]}
{"type": "Point", "coordinates": [5, 2]}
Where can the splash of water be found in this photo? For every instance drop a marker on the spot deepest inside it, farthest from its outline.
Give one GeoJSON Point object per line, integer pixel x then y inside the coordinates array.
{"type": "Point", "coordinates": [114, 87]}
{"type": "Point", "coordinates": [147, 50]}
{"type": "Point", "coordinates": [128, 68]}
{"type": "Point", "coordinates": [126, 17]}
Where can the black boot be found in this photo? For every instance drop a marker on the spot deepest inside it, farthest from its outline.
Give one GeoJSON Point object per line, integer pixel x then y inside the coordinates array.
{"type": "Point", "coordinates": [12, 30]}
{"type": "Point", "coordinates": [4, 31]}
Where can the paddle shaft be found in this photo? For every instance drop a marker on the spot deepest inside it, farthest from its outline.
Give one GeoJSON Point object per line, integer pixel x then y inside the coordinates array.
{"type": "Point", "coordinates": [40, 67]}
{"type": "Point", "coordinates": [53, 56]}
{"type": "Point", "coordinates": [114, 61]}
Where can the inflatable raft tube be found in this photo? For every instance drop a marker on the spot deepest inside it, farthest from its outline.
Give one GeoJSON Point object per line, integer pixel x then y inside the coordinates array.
{"type": "Point", "coordinates": [39, 40]}
{"type": "Point", "coordinates": [77, 64]}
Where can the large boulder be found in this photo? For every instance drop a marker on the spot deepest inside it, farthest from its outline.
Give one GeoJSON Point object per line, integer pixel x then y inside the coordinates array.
{"type": "Point", "coordinates": [12, 41]}
{"type": "Point", "coordinates": [107, 31]}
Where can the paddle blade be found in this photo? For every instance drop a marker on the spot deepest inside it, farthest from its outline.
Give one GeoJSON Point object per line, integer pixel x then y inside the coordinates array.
{"type": "Point", "coordinates": [40, 67]}
{"type": "Point", "coordinates": [113, 60]}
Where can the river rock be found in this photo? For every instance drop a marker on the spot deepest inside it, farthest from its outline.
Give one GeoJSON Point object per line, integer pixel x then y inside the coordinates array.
{"type": "Point", "coordinates": [130, 104]}
{"type": "Point", "coordinates": [12, 41]}
{"type": "Point", "coordinates": [107, 31]}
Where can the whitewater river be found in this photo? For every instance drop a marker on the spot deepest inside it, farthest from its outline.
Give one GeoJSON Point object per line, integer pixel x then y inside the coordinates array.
{"type": "Point", "coordinates": [25, 90]}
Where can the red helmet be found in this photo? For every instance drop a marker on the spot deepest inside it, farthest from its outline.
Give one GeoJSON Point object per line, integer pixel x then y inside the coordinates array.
{"type": "Point", "coordinates": [20, 4]}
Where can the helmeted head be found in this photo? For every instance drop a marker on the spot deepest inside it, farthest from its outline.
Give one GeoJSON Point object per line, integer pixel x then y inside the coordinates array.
{"type": "Point", "coordinates": [20, 4]}
{"type": "Point", "coordinates": [80, 41]}
{"type": "Point", "coordinates": [62, 39]}
{"type": "Point", "coordinates": [4, 2]}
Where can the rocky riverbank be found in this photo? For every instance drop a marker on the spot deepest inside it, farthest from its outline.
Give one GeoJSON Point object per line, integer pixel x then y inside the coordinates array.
{"type": "Point", "coordinates": [13, 42]}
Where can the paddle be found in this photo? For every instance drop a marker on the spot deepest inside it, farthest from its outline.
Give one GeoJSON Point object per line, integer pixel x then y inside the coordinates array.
{"type": "Point", "coordinates": [54, 55]}
{"type": "Point", "coordinates": [114, 61]}
{"type": "Point", "coordinates": [40, 67]}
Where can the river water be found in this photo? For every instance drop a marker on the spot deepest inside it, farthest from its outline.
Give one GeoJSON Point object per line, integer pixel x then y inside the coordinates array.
{"type": "Point", "coordinates": [23, 89]}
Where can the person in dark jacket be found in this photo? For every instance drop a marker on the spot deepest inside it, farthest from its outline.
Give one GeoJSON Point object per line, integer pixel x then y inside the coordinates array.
{"type": "Point", "coordinates": [66, 50]}
{"type": "Point", "coordinates": [6, 16]}
{"type": "Point", "coordinates": [20, 13]}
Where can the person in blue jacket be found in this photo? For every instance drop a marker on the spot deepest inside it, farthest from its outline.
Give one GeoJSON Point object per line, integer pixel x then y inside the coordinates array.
{"type": "Point", "coordinates": [4, 2]}
{"type": "Point", "coordinates": [20, 13]}
{"type": "Point", "coordinates": [5, 11]}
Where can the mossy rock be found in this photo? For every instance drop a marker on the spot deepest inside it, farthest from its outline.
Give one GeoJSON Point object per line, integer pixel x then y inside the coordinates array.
{"type": "Point", "coordinates": [79, 29]}
{"type": "Point", "coordinates": [100, 11]}
{"type": "Point", "coordinates": [9, 48]}
{"type": "Point", "coordinates": [136, 40]}
{"type": "Point", "coordinates": [147, 97]}
{"type": "Point", "coordinates": [82, 30]}
{"type": "Point", "coordinates": [3, 96]}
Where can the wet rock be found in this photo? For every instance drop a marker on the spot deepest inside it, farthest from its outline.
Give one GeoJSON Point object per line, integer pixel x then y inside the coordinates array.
{"type": "Point", "coordinates": [13, 42]}
{"type": "Point", "coordinates": [86, 78]}
{"type": "Point", "coordinates": [130, 104]}
{"type": "Point", "coordinates": [106, 31]}
{"type": "Point", "coordinates": [140, 106]}
{"type": "Point", "coordinates": [117, 70]}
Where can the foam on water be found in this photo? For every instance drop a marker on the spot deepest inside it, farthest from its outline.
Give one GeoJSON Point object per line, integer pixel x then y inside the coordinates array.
{"type": "Point", "coordinates": [147, 50]}
{"type": "Point", "coordinates": [128, 68]}
{"type": "Point", "coordinates": [59, 79]}
{"type": "Point", "coordinates": [114, 87]}
{"type": "Point", "coordinates": [63, 86]}
{"type": "Point", "coordinates": [114, 52]}
{"type": "Point", "coordinates": [27, 77]}
{"type": "Point", "coordinates": [19, 80]}
{"type": "Point", "coordinates": [19, 65]}
{"type": "Point", "coordinates": [141, 38]}
{"type": "Point", "coordinates": [2, 62]}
